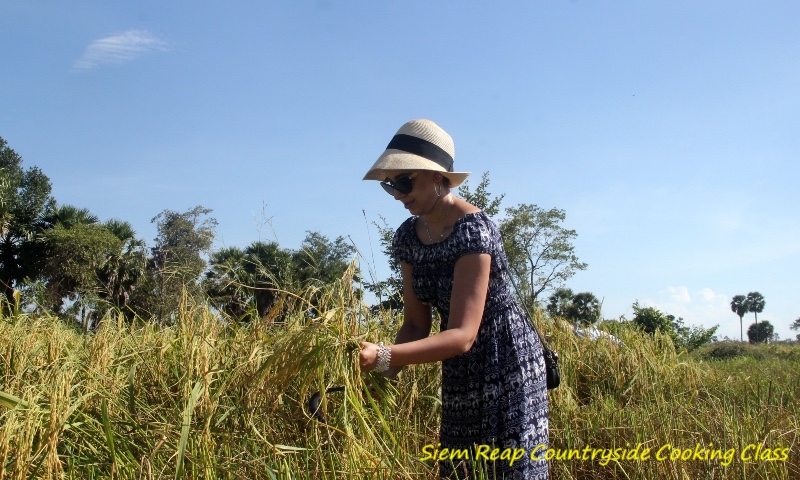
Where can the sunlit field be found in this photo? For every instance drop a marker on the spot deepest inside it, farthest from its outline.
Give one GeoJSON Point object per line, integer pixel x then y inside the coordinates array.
{"type": "Point", "coordinates": [209, 398]}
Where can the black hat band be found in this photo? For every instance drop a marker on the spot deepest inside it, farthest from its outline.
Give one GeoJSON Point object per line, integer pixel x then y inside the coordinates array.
{"type": "Point", "coordinates": [422, 148]}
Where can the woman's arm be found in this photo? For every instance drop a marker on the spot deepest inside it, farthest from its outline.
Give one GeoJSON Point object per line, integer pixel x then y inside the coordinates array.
{"type": "Point", "coordinates": [416, 322]}
{"type": "Point", "coordinates": [416, 315]}
{"type": "Point", "coordinates": [470, 286]}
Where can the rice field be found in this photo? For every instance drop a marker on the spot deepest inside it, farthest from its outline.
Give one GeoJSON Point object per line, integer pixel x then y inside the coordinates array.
{"type": "Point", "coordinates": [208, 398]}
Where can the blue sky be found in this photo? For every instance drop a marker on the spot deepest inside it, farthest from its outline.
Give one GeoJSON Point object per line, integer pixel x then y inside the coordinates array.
{"type": "Point", "coordinates": [667, 130]}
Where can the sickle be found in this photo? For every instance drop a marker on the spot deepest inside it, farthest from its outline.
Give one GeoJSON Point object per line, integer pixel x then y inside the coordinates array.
{"type": "Point", "coordinates": [314, 401]}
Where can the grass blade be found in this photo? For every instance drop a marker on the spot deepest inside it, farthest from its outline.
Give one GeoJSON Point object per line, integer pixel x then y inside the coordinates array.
{"type": "Point", "coordinates": [186, 426]}
{"type": "Point", "coordinates": [11, 401]}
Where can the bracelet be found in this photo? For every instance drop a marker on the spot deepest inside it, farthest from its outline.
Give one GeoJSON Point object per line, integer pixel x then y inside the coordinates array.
{"type": "Point", "coordinates": [384, 358]}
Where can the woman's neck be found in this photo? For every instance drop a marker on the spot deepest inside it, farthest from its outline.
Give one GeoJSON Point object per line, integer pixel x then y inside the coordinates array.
{"type": "Point", "coordinates": [441, 215]}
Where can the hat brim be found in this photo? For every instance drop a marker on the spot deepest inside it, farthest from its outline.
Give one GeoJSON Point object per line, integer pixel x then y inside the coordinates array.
{"type": "Point", "coordinates": [393, 162]}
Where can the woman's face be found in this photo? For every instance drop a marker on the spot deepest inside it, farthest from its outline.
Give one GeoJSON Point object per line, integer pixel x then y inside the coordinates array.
{"type": "Point", "coordinates": [422, 196]}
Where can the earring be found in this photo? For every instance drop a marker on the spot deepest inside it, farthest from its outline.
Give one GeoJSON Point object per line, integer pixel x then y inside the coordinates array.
{"type": "Point", "coordinates": [437, 187]}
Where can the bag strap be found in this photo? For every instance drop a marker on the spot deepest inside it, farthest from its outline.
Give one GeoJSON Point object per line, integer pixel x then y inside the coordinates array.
{"type": "Point", "coordinates": [523, 303]}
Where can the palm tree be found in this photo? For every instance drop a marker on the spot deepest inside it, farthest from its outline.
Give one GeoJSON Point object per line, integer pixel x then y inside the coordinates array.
{"type": "Point", "coordinates": [68, 216]}
{"type": "Point", "coordinates": [585, 308]}
{"type": "Point", "coordinates": [122, 271]}
{"type": "Point", "coordinates": [559, 302]}
{"type": "Point", "coordinates": [755, 303]}
{"type": "Point", "coordinates": [271, 269]}
{"type": "Point", "coordinates": [226, 281]}
{"type": "Point", "coordinates": [739, 307]}
{"type": "Point", "coordinates": [239, 281]}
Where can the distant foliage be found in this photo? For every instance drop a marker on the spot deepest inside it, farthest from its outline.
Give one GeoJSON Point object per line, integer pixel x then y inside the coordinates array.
{"type": "Point", "coordinates": [559, 302]}
{"type": "Point", "coordinates": [582, 308]}
{"type": "Point", "coordinates": [123, 269]}
{"type": "Point", "coordinates": [795, 325]}
{"type": "Point", "coordinates": [650, 320]}
{"type": "Point", "coordinates": [739, 307]}
{"type": "Point", "coordinates": [248, 284]}
{"type": "Point", "coordinates": [74, 256]}
{"type": "Point", "coordinates": [320, 261]}
{"type": "Point", "coordinates": [389, 291]}
{"type": "Point", "coordinates": [176, 260]}
{"type": "Point", "coordinates": [762, 332]}
{"type": "Point", "coordinates": [26, 200]}
{"type": "Point", "coordinates": [755, 303]}
{"type": "Point", "coordinates": [725, 351]}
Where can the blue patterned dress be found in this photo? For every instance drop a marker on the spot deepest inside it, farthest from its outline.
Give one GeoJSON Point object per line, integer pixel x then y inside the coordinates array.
{"type": "Point", "coordinates": [496, 393]}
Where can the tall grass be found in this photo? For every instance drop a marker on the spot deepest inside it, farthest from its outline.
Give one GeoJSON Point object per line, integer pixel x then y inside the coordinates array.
{"type": "Point", "coordinates": [207, 398]}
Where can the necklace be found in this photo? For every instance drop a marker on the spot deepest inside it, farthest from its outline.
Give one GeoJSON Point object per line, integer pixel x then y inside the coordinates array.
{"type": "Point", "coordinates": [444, 227]}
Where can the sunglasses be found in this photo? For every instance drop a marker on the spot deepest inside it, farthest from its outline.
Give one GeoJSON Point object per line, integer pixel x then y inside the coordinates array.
{"type": "Point", "coordinates": [402, 183]}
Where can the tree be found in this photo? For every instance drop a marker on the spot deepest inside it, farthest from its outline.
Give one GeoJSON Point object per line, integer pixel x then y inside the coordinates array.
{"type": "Point", "coordinates": [176, 260]}
{"type": "Point", "coordinates": [5, 188]}
{"type": "Point", "coordinates": [73, 257]}
{"type": "Point", "coordinates": [114, 276]}
{"type": "Point", "coordinates": [75, 249]}
{"type": "Point", "coordinates": [651, 319]}
{"type": "Point", "coordinates": [481, 197]}
{"type": "Point", "coordinates": [691, 337]}
{"type": "Point", "coordinates": [760, 332]}
{"type": "Point", "coordinates": [796, 326]}
{"type": "Point", "coordinates": [320, 261]}
{"type": "Point", "coordinates": [226, 280]}
{"type": "Point", "coordinates": [585, 309]}
{"type": "Point", "coordinates": [559, 302]}
{"type": "Point", "coordinates": [26, 200]}
{"type": "Point", "coordinates": [68, 216]}
{"type": "Point", "coordinates": [739, 307]}
{"type": "Point", "coordinates": [271, 271]}
{"type": "Point", "coordinates": [582, 308]}
{"type": "Point", "coordinates": [755, 303]}
{"type": "Point", "coordinates": [241, 282]}
{"type": "Point", "coordinates": [124, 268]}
{"type": "Point", "coordinates": [392, 287]}
{"type": "Point", "coordinates": [540, 251]}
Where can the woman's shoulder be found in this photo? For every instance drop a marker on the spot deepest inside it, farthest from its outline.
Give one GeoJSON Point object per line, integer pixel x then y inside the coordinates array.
{"type": "Point", "coordinates": [407, 225]}
{"type": "Point", "coordinates": [403, 244]}
{"type": "Point", "coordinates": [405, 230]}
{"type": "Point", "coordinates": [477, 219]}
{"type": "Point", "coordinates": [476, 233]}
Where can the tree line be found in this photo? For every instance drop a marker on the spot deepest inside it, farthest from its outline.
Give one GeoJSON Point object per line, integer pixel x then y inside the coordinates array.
{"type": "Point", "coordinates": [753, 303]}
{"type": "Point", "coordinates": [63, 259]}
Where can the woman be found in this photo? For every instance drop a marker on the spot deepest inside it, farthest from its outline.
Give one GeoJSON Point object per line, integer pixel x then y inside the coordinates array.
{"type": "Point", "coordinates": [493, 374]}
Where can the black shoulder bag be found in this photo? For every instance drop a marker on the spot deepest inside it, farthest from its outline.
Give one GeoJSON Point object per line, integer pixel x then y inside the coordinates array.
{"type": "Point", "coordinates": [550, 356]}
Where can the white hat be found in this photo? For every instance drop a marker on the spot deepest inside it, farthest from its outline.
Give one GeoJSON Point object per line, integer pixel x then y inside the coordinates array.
{"type": "Point", "coordinates": [418, 145]}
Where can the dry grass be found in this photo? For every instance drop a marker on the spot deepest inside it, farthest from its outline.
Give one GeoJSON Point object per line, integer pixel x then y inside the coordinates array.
{"type": "Point", "coordinates": [207, 399]}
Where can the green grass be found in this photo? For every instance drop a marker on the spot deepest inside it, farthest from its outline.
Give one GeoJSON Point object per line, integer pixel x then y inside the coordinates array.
{"type": "Point", "coordinates": [208, 399]}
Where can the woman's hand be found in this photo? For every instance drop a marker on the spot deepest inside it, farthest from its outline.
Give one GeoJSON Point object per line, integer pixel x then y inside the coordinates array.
{"type": "Point", "coordinates": [368, 356]}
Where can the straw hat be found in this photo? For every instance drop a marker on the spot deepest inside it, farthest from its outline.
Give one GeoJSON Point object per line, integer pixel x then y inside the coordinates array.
{"type": "Point", "coordinates": [418, 145]}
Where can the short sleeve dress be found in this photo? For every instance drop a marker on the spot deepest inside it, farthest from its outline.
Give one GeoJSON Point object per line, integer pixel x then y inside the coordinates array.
{"type": "Point", "coordinates": [495, 394]}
